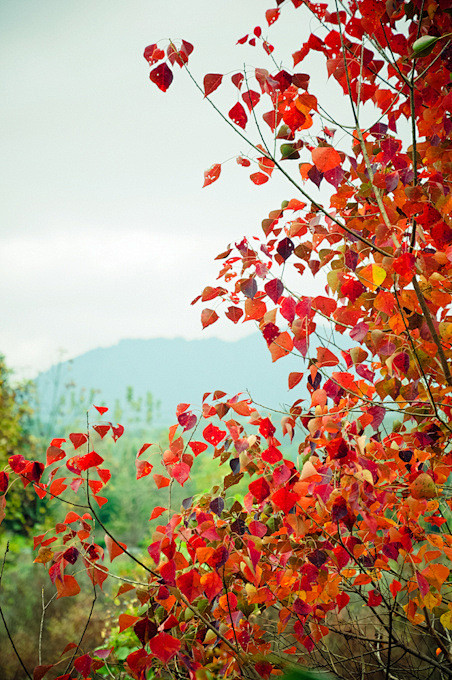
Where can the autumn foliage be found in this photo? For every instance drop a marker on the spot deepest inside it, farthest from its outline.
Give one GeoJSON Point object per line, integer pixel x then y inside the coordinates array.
{"type": "Point", "coordinates": [338, 557]}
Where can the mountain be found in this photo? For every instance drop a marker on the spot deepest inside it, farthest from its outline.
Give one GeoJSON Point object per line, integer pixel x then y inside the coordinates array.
{"type": "Point", "coordinates": [172, 370]}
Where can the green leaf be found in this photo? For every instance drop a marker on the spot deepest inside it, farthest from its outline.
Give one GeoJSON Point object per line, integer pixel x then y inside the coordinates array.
{"type": "Point", "coordinates": [303, 674]}
{"type": "Point", "coordinates": [424, 45]}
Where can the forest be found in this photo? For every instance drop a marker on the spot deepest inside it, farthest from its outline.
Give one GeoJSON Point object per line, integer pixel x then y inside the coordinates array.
{"type": "Point", "coordinates": [308, 541]}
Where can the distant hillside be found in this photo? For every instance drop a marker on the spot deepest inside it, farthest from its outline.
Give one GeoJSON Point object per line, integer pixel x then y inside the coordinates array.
{"type": "Point", "coordinates": [173, 371]}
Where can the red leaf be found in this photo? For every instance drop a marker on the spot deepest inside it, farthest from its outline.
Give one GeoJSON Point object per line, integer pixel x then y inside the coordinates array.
{"type": "Point", "coordinates": [271, 455]}
{"type": "Point", "coordinates": [143, 449]}
{"type": "Point", "coordinates": [212, 174]}
{"type": "Point", "coordinates": [274, 289]}
{"type": "Point", "coordinates": [40, 671]}
{"type": "Point", "coordinates": [187, 47]}
{"type": "Point", "coordinates": [180, 472]}
{"type": "Point", "coordinates": [213, 434]}
{"type": "Point", "coordinates": [259, 178]}
{"type": "Point", "coordinates": [294, 379]}
{"type": "Point", "coordinates": [143, 467]}
{"type": "Point", "coordinates": [243, 161]}
{"type": "Point", "coordinates": [152, 54]}
{"type": "Point", "coordinates": [101, 430]}
{"type": "Point", "coordinates": [162, 76]}
{"type": "Point", "coordinates": [53, 454]}
{"type": "Point", "coordinates": [197, 447]}
{"type": "Point", "coordinates": [161, 481]}
{"type": "Point", "coordinates": [326, 358]}
{"type": "Point", "coordinates": [4, 478]}
{"type": "Point", "coordinates": [404, 265]}
{"type": "Point", "coordinates": [67, 587]}
{"type": "Point", "coordinates": [211, 82]}
{"type": "Point", "coordinates": [238, 116]}
{"type": "Point", "coordinates": [164, 647]}
{"type": "Point", "coordinates": [251, 98]}
{"type": "Point", "coordinates": [57, 486]}
{"type": "Point", "coordinates": [260, 489]}
{"type": "Point", "coordinates": [284, 499]}
{"type": "Point", "coordinates": [78, 439]}
{"type": "Point", "coordinates": [374, 598]}
{"type": "Point", "coordinates": [272, 15]}
{"type": "Point", "coordinates": [237, 79]}
{"type": "Point", "coordinates": [190, 584]}
{"type": "Point", "coordinates": [118, 431]}
{"type": "Point", "coordinates": [157, 511]}
{"type": "Point", "coordinates": [126, 620]}
{"type": "Point", "coordinates": [113, 548]}
{"type": "Point", "coordinates": [208, 317]}
{"type": "Point", "coordinates": [234, 314]}
{"type": "Point", "coordinates": [83, 664]}
{"type": "Point", "coordinates": [104, 474]}
{"type": "Point", "coordinates": [91, 459]}
{"type": "Point", "coordinates": [101, 409]}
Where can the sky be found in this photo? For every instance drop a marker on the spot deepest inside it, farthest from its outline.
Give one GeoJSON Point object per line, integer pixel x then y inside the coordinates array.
{"type": "Point", "coordinates": [106, 232]}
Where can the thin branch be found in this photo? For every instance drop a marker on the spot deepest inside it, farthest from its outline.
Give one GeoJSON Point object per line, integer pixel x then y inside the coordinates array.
{"type": "Point", "coordinates": [84, 630]}
{"type": "Point", "coordinates": [19, 658]}
{"type": "Point", "coordinates": [432, 329]}
{"type": "Point", "coordinates": [41, 625]}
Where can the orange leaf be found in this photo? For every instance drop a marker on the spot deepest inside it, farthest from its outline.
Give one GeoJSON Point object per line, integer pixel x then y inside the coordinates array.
{"type": "Point", "coordinates": [325, 158]}
{"type": "Point", "coordinates": [208, 317]}
{"type": "Point", "coordinates": [113, 548]}
{"type": "Point", "coordinates": [241, 407]}
{"type": "Point", "coordinates": [45, 554]}
{"type": "Point", "coordinates": [161, 481]}
{"type": "Point", "coordinates": [67, 587]}
{"type": "Point", "coordinates": [294, 379]}
{"type": "Point", "coordinates": [126, 620]}
{"type": "Point", "coordinates": [282, 346]}
{"type": "Point", "coordinates": [361, 580]}
{"type": "Point", "coordinates": [326, 358]}
{"type": "Point", "coordinates": [254, 309]}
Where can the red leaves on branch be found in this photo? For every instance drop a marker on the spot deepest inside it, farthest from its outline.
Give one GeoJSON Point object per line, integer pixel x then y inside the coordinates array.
{"type": "Point", "coordinates": [312, 530]}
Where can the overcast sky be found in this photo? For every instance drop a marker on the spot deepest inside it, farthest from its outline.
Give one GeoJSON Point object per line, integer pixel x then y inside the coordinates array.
{"type": "Point", "coordinates": [106, 232]}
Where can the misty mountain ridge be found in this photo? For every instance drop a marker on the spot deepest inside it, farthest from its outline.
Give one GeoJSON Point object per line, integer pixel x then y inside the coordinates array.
{"type": "Point", "coordinates": [172, 371]}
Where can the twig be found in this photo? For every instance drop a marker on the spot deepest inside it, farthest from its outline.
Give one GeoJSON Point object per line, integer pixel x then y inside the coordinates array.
{"type": "Point", "coordinates": [84, 630]}
{"type": "Point", "coordinates": [5, 624]}
{"type": "Point", "coordinates": [41, 625]}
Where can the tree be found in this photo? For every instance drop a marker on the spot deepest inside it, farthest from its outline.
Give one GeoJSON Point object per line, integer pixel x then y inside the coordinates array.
{"type": "Point", "coordinates": [340, 559]}
{"type": "Point", "coordinates": [15, 437]}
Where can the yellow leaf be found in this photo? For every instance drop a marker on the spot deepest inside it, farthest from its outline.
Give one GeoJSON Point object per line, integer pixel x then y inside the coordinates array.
{"type": "Point", "coordinates": [446, 619]}
{"type": "Point", "coordinates": [333, 280]}
{"type": "Point", "coordinates": [45, 554]}
{"type": "Point", "coordinates": [372, 276]}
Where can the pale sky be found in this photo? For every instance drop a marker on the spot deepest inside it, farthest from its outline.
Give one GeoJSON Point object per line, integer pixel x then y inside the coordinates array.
{"type": "Point", "coordinates": [106, 232]}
